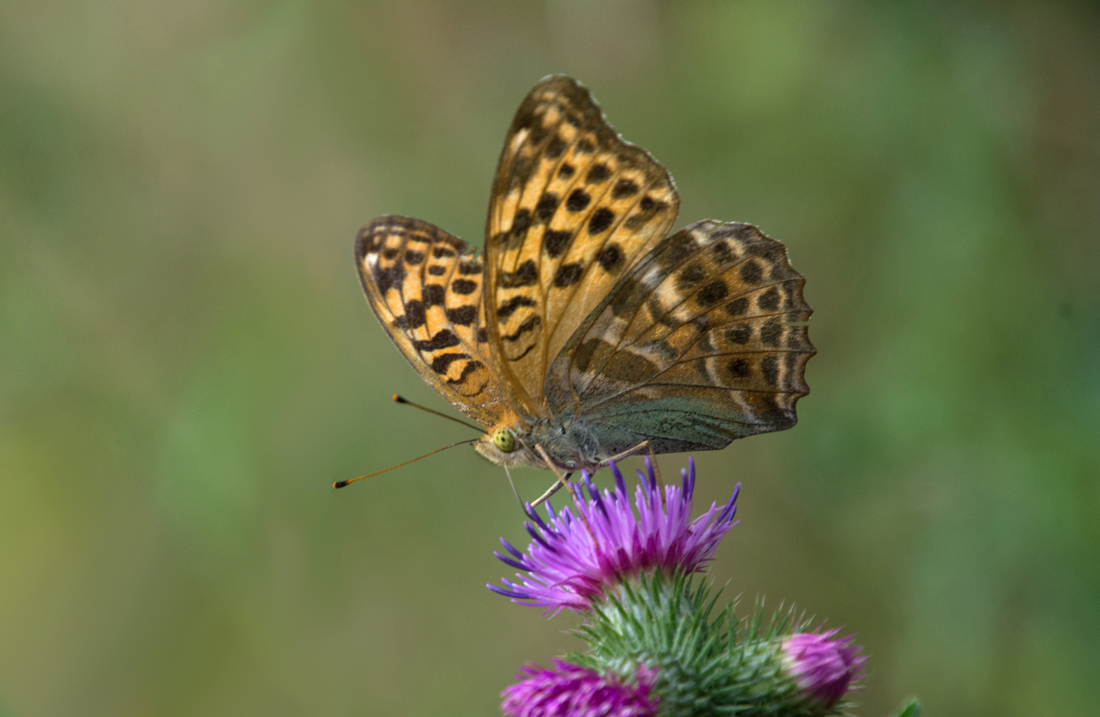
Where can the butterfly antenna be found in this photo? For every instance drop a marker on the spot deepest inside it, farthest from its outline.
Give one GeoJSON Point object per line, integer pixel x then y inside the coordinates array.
{"type": "Point", "coordinates": [401, 399]}
{"type": "Point", "coordinates": [342, 483]}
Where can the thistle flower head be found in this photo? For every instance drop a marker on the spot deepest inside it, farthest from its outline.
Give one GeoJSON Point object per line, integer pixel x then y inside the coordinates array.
{"type": "Point", "coordinates": [575, 557]}
{"type": "Point", "coordinates": [569, 690]}
{"type": "Point", "coordinates": [822, 664]}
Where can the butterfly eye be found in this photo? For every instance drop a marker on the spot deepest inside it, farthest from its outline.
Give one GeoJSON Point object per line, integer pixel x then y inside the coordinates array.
{"type": "Point", "coordinates": [504, 439]}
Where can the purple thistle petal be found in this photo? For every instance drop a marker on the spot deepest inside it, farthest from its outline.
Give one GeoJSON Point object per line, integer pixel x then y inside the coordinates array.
{"type": "Point", "coordinates": [566, 565]}
{"type": "Point", "coordinates": [568, 690]}
{"type": "Point", "coordinates": [506, 593]}
{"type": "Point", "coordinates": [511, 548]}
{"type": "Point", "coordinates": [620, 482]}
{"type": "Point", "coordinates": [534, 515]}
{"type": "Point", "coordinates": [822, 664]}
{"type": "Point", "coordinates": [538, 538]}
{"type": "Point", "coordinates": [594, 493]}
{"type": "Point", "coordinates": [509, 562]}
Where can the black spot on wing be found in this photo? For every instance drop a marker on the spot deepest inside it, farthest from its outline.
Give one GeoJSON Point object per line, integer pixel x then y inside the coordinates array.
{"type": "Point", "coordinates": [444, 338]}
{"type": "Point", "coordinates": [624, 188]}
{"type": "Point", "coordinates": [509, 307]}
{"type": "Point", "coordinates": [441, 363]}
{"type": "Point", "coordinates": [521, 222]}
{"type": "Point", "coordinates": [462, 315]}
{"type": "Point", "coordinates": [547, 205]}
{"type": "Point", "coordinates": [739, 334]}
{"type": "Point", "coordinates": [577, 201]}
{"type": "Point", "coordinates": [770, 333]}
{"type": "Point", "coordinates": [597, 173]}
{"type": "Point", "coordinates": [751, 272]}
{"type": "Point", "coordinates": [388, 277]}
{"type": "Point", "coordinates": [648, 208]}
{"type": "Point", "coordinates": [433, 294]}
{"type": "Point", "coordinates": [769, 300]}
{"type": "Point", "coordinates": [414, 315]}
{"type": "Point", "coordinates": [601, 220]}
{"type": "Point", "coordinates": [722, 254]}
{"type": "Point", "coordinates": [610, 257]}
{"type": "Point", "coordinates": [690, 277]}
{"type": "Point", "coordinates": [739, 367]}
{"type": "Point", "coordinates": [712, 293]}
{"type": "Point", "coordinates": [554, 242]}
{"type": "Point", "coordinates": [568, 274]}
{"type": "Point", "coordinates": [526, 275]}
{"type": "Point", "coordinates": [737, 307]}
{"type": "Point", "coordinates": [463, 286]}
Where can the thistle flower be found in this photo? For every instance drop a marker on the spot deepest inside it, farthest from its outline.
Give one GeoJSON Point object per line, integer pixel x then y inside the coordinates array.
{"type": "Point", "coordinates": [628, 563]}
{"type": "Point", "coordinates": [570, 690]}
{"type": "Point", "coordinates": [823, 665]}
{"type": "Point", "coordinates": [571, 562]}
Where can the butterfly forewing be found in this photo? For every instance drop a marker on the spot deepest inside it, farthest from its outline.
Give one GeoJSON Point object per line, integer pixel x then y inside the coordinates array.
{"type": "Point", "coordinates": [573, 207]}
{"type": "Point", "coordinates": [426, 287]}
{"type": "Point", "coordinates": [703, 342]}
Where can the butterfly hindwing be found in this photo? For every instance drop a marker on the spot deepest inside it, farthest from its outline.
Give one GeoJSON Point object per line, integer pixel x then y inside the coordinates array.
{"type": "Point", "coordinates": [703, 342]}
{"type": "Point", "coordinates": [426, 286]}
{"type": "Point", "coordinates": [573, 207]}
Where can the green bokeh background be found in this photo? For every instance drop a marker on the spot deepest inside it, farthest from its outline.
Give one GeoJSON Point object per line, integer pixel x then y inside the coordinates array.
{"type": "Point", "coordinates": [187, 363]}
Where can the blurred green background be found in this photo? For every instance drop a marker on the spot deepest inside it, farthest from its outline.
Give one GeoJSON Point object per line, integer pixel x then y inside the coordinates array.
{"type": "Point", "coordinates": [187, 363]}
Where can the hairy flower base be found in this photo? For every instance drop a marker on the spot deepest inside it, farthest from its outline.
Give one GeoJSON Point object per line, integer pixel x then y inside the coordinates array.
{"type": "Point", "coordinates": [823, 664]}
{"type": "Point", "coordinates": [571, 562]}
{"type": "Point", "coordinates": [570, 690]}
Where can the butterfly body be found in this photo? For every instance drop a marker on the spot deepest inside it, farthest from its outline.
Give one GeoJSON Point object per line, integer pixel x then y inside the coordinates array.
{"type": "Point", "coordinates": [586, 329]}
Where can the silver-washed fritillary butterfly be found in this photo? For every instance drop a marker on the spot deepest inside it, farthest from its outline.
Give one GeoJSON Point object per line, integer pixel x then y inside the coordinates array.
{"type": "Point", "coordinates": [585, 331]}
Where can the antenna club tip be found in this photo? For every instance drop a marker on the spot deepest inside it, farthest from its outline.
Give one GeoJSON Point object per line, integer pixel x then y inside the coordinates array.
{"type": "Point", "coordinates": [340, 484]}
{"type": "Point", "coordinates": [397, 397]}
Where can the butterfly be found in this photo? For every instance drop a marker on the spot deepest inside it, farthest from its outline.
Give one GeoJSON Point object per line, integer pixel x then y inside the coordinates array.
{"type": "Point", "coordinates": [585, 331]}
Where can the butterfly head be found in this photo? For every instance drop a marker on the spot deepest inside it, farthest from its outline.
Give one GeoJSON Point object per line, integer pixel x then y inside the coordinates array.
{"type": "Point", "coordinates": [508, 444]}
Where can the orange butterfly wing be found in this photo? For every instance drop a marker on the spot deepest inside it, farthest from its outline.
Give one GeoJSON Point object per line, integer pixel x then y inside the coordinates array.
{"type": "Point", "coordinates": [425, 285]}
{"type": "Point", "coordinates": [573, 206]}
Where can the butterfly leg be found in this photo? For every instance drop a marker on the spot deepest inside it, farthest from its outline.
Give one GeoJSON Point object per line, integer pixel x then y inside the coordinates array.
{"type": "Point", "coordinates": [549, 492]}
{"type": "Point", "coordinates": [552, 489]}
{"type": "Point", "coordinates": [641, 448]}
{"type": "Point", "coordinates": [564, 481]}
